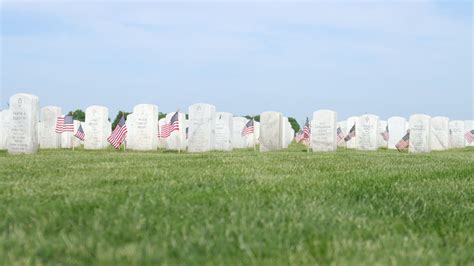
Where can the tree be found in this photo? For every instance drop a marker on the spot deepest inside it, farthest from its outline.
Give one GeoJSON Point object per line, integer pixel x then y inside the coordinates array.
{"type": "Point", "coordinates": [294, 124]}
{"type": "Point", "coordinates": [117, 118]}
{"type": "Point", "coordinates": [161, 115]}
{"type": "Point", "coordinates": [78, 115]}
{"type": "Point", "coordinates": [255, 118]}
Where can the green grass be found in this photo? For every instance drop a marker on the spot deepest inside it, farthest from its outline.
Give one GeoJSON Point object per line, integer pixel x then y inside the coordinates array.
{"type": "Point", "coordinates": [239, 208]}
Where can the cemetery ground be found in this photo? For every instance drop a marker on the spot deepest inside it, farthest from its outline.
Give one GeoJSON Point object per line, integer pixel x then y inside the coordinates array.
{"type": "Point", "coordinates": [242, 207]}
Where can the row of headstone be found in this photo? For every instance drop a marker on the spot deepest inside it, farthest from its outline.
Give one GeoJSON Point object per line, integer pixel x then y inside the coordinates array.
{"type": "Point", "coordinates": [206, 129]}
{"type": "Point", "coordinates": [426, 133]}
{"type": "Point", "coordinates": [211, 130]}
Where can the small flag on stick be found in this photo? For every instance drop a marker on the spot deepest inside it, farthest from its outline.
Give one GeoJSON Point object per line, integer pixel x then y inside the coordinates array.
{"type": "Point", "coordinates": [173, 125]}
{"type": "Point", "coordinates": [248, 128]}
{"type": "Point", "coordinates": [80, 133]}
{"type": "Point", "coordinates": [119, 134]}
{"type": "Point", "coordinates": [469, 136]}
{"type": "Point", "coordinates": [64, 124]}
{"type": "Point", "coordinates": [404, 143]}
{"type": "Point", "coordinates": [352, 133]}
{"type": "Point", "coordinates": [306, 132]}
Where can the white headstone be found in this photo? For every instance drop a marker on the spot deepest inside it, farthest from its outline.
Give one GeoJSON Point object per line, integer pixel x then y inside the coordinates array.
{"type": "Point", "coordinates": [468, 126]}
{"type": "Point", "coordinates": [343, 126]}
{"type": "Point", "coordinates": [397, 128]}
{"type": "Point", "coordinates": [456, 134]}
{"type": "Point", "coordinates": [284, 132]}
{"type": "Point", "coordinates": [420, 126]}
{"type": "Point", "coordinates": [224, 131]}
{"type": "Point", "coordinates": [48, 138]}
{"type": "Point", "coordinates": [381, 142]}
{"type": "Point", "coordinates": [323, 131]}
{"type": "Point", "coordinates": [202, 127]}
{"type": "Point", "coordinates": [238, 124]}
{"type": "Point", "coordinates": [97, 128]}
{"type": "Point", "coordinates": [367, 128]}
{"type": "Point", "coordinates": [23, 135]}
{"type": "Point", "coordinates": [2, 132]}
{"type": "Point", "coordinates": [439, 133]}
{"type": "Point", "coordinates": [5, 122]}
{"type": "Point", "coordinates": [142, 130]}
{"type": "Point", "coordinates": [351, 121]}
{"type": "Point", "coordinates": [186, 132]}
{"type": "Point", "coordinates": [131, 128]}
{"type": "Point", "coordinates": [270, 131]}
{"type": "Point", "coordinates": [177, 139]}
{"type": "Point", "coordinates": [257, 132]}
{"type": "Point", "coordinates": [290, 134]}
{"type": "Point", "coordinates": [38, 132]}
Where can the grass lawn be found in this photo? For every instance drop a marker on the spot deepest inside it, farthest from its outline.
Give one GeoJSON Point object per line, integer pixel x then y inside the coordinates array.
{"type": "Point", "coordinates": [237, 208]}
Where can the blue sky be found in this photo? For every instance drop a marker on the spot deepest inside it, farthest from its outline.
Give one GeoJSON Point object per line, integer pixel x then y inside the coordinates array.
{"type": "Point", "coordinates": [386, 58]}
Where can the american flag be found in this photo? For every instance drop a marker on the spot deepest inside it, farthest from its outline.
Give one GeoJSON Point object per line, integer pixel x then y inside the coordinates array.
{"type": "Point", "coordinates": [403, 144]}
{"type": "Point", "coordinates": [80, 133]}
{"type": "Point", "coordinates": [352, 133]}
{"type": "Point", "coordinates": [340, 134]}
{"type": "Point", "coordinates": [119, 134]}
{"type": "Point", "coordinates": [248, 128]}
{"type": "Point", "coordinates": [173, 125]}
{"type": "Point", "coordinates": [64, 124]}
{"type": "Point", "coordinates": [386, 134]}
{"type": "Point", "coordinates": [469, 136]}
{"type": "Point", "coordinates": [306, 132]}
